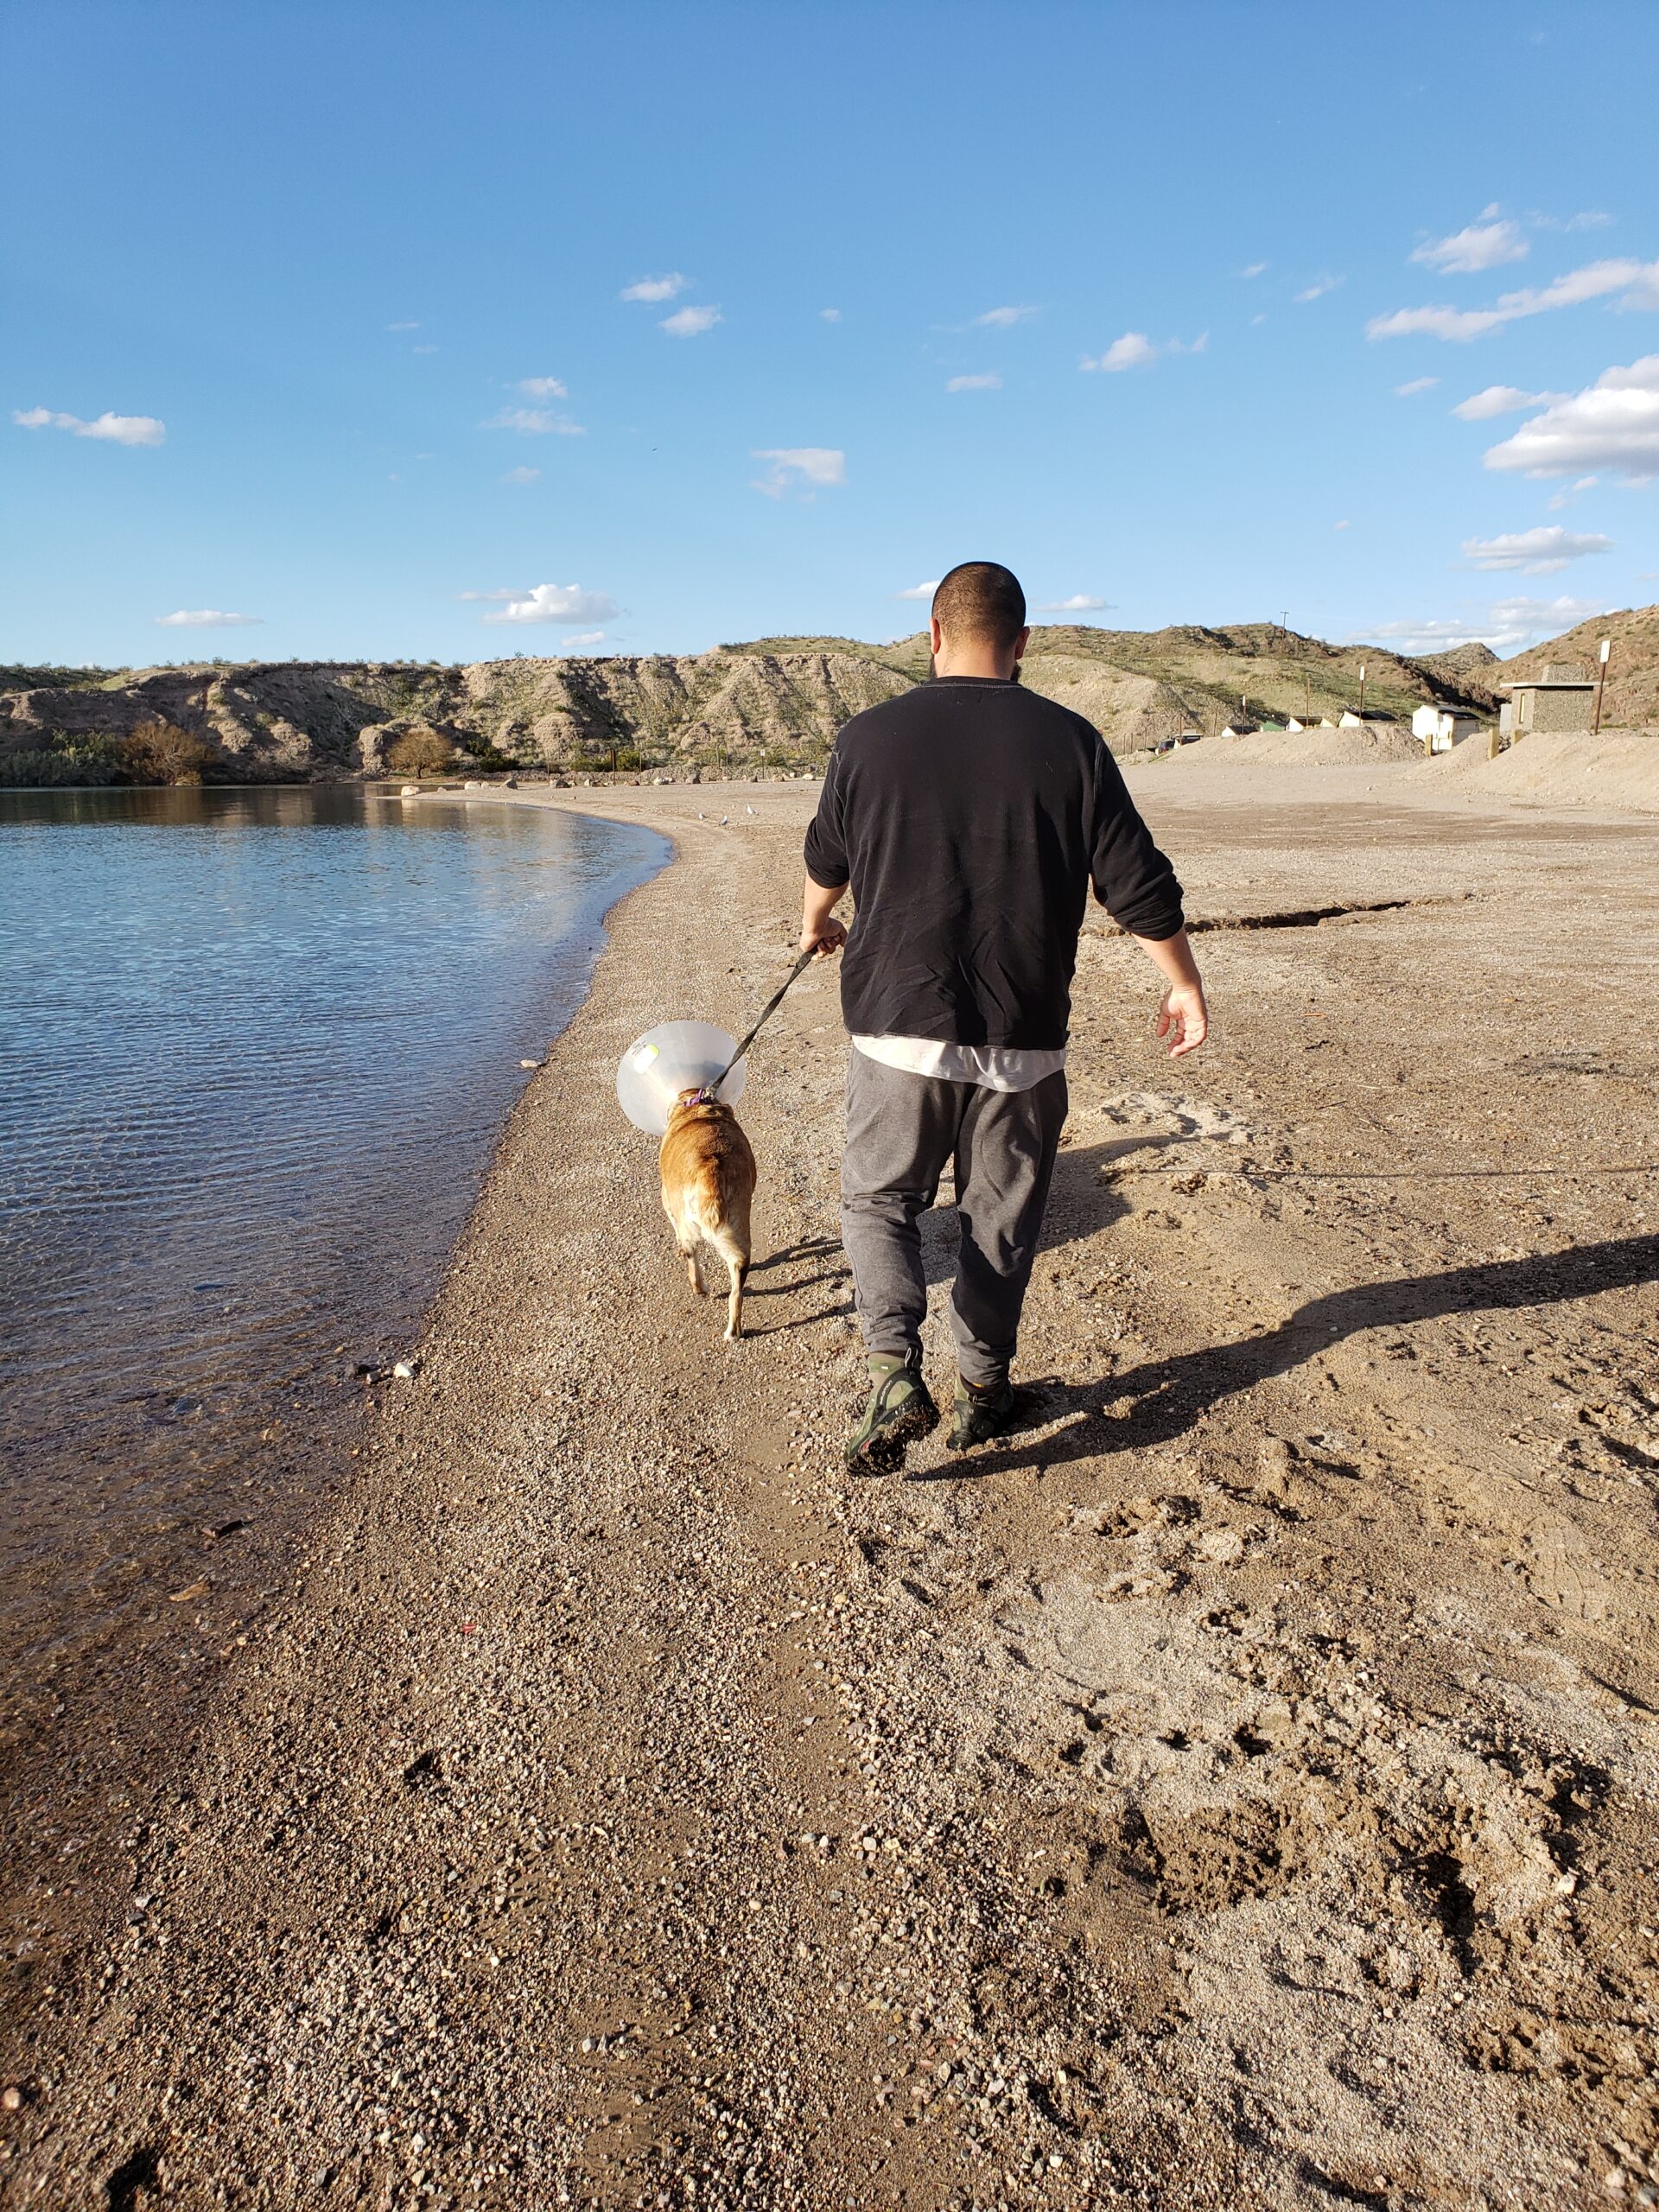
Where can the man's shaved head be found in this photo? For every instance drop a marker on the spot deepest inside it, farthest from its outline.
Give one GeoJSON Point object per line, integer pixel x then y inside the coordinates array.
{"type": "Point", "coordinates": [980, 603]}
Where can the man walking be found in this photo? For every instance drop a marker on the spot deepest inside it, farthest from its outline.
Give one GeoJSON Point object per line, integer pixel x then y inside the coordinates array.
{"type": "Point", "coordinates": [968, 817]}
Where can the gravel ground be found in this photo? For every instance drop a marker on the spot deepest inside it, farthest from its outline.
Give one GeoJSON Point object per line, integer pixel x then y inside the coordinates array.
{"type": "Point", "coordinates": [1236, 1792]}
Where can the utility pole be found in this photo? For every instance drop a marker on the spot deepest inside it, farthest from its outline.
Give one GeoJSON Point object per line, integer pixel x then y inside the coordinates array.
{"type": "Point", "coordinates": [1604, 655]}
{"type": "Point", "coordinates": [1361, 687]}
{"type": "Point", "coordinates": [1307, 696]}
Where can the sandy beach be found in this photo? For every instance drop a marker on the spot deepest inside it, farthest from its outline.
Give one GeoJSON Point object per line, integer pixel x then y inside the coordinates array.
{"type": "Point", "coordinates": [1238, 1791]}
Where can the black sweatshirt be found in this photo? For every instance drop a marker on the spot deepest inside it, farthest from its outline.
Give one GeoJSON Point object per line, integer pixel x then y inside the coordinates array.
{"type": "Point", "coordinates": [971, 816]}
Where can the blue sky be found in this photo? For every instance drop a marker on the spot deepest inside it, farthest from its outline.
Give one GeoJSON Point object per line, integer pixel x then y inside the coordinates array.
{"type": "Point", "coordinates": [320, 316]}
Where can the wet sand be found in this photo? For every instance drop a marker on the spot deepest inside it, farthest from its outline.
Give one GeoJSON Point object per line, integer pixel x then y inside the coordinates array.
{"type": "Point", "coordinates": [1236, 1791]}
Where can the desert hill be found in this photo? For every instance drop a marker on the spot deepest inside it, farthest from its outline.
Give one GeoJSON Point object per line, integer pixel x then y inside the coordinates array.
{"type": "Point", "coordinates": [771, 703]}
{"type": "Point", "coordinates": [285, 720]}
{"type": "Point", "coordinates": [1632, 700]}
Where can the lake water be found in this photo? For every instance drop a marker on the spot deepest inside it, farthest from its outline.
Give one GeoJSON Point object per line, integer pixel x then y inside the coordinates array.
{"type": "Point", "coordinates": [255, 1048]}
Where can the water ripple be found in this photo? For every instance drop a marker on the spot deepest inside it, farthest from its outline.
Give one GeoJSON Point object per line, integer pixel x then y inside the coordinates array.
{"type": "Point", "coordinates": [254, 1050]}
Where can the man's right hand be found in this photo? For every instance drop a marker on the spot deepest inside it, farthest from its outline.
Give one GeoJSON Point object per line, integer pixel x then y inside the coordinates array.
{"type": "Point", "coordinates": [1184, 1019]}
{"type": "Point", "coordinates": [824, 941]}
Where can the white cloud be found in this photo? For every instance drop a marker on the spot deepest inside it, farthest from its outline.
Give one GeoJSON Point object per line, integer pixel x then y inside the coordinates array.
{"type": "Point", "coordinates": [1501, 399]}
{"type": "Point", "coordinates": [584, 637]}
{"type": "Point", "coordinates": [534, 422]}
{"type": "Point", "coordinates": [1538, 552]}
{"type": "Point", "coordinates": [542, 388]}
{"type": "Point", "coordinates": [117, 429]}
{"type": "Point", "coordinates": [690, 322]}
{"type": "Point", "coordinates": [794, 465]}
{"type": "Point", "coordinates": [423, 349]}
{"type": "Point", "coordinates": [1079, 603]}
{"type": "Point", "coordinates": [403, 326]}
{"type": "Point", "coordinates": [1416, 385]}
{"type": "Point", "coordinates": [1318, 288]}
{"type": "Point", "coordinates": [656, 287]}
{"type": "Point", "coordinates": [1614, 425]}
{"type": "Point", "coordinates": [1003, 318]}
{"type": "Point", "coordinates": [1344, 524]}
{"type": "Point", "coordinates": [1256, 269]}
{"type": "Point", "coordinates": [985, 383]}
{"type": "Point", "coordinates": [1638, 281]}
{"type": "Point", "coordinates": [550, 603]}
{"type": "Point", "coordinates": [1565, 499]}
{"type": "Point", "coordinates": [1514, 623]}
{"type": "Point", "coordinates": [207, 617]}
{"type": "Point", "coordinates": [828, 315]}
{"type": "Point", "coordinates": [1587, 219]}
{"type": "Point", "coordinates": [521, 475]}
{"type": "Point", "coordinates": [1134, 350]}
{"type": "Point", "coordinates": [919, 591]}
{"type": "Point", "coordinates": [1484, 245]}
{"type": "Point", "coordinates": [1509, 625]}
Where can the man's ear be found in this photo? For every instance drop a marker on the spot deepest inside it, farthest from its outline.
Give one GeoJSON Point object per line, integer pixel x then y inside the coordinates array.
{"type": "Point", "coordinates": [935, 635]}
{"type": "Point", "coordinates": [1021, 642]}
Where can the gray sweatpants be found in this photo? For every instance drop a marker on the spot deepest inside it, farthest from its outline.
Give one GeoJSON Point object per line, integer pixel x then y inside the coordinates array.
{"type": "Point", "coordinates": [901, 1129]}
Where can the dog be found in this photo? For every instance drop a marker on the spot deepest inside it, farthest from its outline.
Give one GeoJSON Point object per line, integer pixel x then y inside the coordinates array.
{"type": "Point", "coordinates": [709, 1177]}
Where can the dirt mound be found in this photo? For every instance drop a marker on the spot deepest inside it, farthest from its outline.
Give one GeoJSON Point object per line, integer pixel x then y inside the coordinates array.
{"type": "Point", "coordinates": [1379, 744]}
{"type": "Point", "coordinates": [1619, 767]}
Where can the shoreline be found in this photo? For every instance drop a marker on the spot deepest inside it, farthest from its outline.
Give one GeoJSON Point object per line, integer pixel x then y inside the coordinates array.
{"type": "Point", "coordinates": [626, 1798]}
{"type": "Point", "coordinates": [123, 1613]}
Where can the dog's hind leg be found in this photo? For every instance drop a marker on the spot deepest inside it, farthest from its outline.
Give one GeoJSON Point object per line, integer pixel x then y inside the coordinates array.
{"type": "Point", "coordinates": [692, 1254]}
{"type": "Point", "coordinates": [737, 1267]}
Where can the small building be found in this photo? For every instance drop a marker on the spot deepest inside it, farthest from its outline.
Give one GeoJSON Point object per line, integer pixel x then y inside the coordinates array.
{"type": "Point", "coordinates": [1362, 717]}
{"type": "Point", "coordinates": [1241, 727]}
{"type": "Point", "coordinates": [1442, 727]}
{"type": "Point", "coordinates": [1300, 722]}
{"type": "Point", "coordinates": [1560, 699]}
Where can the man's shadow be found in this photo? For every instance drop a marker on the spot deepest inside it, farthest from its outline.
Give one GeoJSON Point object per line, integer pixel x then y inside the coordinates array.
{"type": "Point", "coordinates": [1079, 1204]}
{"type": "Point", "coordinates": [1169, 1395]}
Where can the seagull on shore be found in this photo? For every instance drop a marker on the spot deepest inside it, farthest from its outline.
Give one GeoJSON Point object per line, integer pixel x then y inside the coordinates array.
{"type": "Point", "coordinates": [724, 821]}
{"type": "Point", "coordinates": [748, 810]}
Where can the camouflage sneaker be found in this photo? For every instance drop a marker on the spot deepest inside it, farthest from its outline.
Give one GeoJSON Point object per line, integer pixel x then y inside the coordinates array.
{"type": "Point", "coordinates": [981, 1411]}
{"type": "Point", "coordinates": [901, 1410]}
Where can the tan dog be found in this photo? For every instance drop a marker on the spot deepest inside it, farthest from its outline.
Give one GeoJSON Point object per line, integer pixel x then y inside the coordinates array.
{"type": "Point", "coordinates": [708, 1172]}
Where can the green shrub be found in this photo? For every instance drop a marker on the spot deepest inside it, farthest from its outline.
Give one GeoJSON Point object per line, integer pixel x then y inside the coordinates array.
{"type": "Point", "coordinates": [63, 761]}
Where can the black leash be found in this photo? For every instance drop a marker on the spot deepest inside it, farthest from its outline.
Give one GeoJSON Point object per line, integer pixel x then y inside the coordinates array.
{"type": "Point", "coordinates": [710, 1090]}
